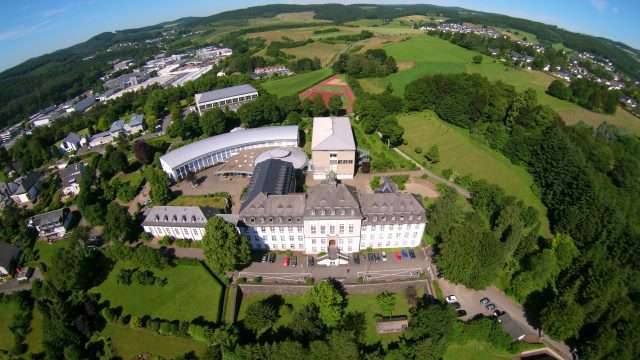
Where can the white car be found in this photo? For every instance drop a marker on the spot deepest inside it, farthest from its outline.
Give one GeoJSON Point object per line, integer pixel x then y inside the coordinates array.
{"type": "Point", "coordinates": [384, 256]}
{"type": "Point", "coordinates": [451, 299]}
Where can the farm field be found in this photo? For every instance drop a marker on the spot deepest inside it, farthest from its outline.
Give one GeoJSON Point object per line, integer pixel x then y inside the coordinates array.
{"type": "Point", "coordinates": [323, 51]}
{"type": "Point", "coordinates": [199, 200]}
{"type": "Point", "coordinates": [129, 342]}
{"type": "Point", "coordinates": [295, 84]}
{"type": "Point", "coordinates": [464, 155]}
{"type": "Point", "coordinates": [432, 55]}
{"type": "Point", "coordinates": [191, 292]}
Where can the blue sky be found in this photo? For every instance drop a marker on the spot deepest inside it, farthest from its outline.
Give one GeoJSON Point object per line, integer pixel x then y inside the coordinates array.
{"type": "Point", "coordinates": [32, 28]}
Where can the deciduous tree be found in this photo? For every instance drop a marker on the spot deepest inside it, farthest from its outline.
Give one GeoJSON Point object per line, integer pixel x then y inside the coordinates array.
{"type": "Point", "coordinates": [224, 249]}
{"type": "Point", "coordinates": [329, 301]}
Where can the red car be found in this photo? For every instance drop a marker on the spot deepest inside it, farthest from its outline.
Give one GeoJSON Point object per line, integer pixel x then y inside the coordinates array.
{"type": "Point", "coordinates": [285, 262]}
{"type": "Point", "coordinates": [398, 256]}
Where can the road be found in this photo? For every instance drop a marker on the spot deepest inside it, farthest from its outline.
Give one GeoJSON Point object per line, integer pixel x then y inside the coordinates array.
{"type": "Point", "coordinates": [15, 285]}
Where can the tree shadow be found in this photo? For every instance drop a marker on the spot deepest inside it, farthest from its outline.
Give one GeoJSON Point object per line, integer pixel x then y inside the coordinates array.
{"type": "Point", "coordinates": [101, 269]}
{"type": "Point", "coordinates": [355, 322]}
{"type": "Point", "coordinates": [276, 301]}
{"type": "Point", "coordinates": [276, 335]}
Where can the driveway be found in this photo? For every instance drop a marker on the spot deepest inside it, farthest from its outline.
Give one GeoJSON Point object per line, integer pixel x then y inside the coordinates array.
{"type": "Point", "coordinates": [15, 285]}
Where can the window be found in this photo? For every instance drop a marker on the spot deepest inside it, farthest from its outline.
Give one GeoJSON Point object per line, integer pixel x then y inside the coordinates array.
{"type": "Point", "coordinates": [352, 212]}
{"type": "Point", "coordinates": [314, 249]}
{"type": "Point", "coordinates": [333, 211]}
{"type": "Point", "coordinates": [299, 228]}
{"type": "Point", "coordinates": [290, 229]}
{"type": "Point", "coordinates": [415, 234]}
{"type": "Point", "coordinates": [300, 246]}
{"type": "Point", "coordinates": [332, 229]}
{"type": "Point", "coordinates": [263, 229]}
{"type": "Point", "coordinates": [375, 218]}
{"type": "Point", "coordinates": [299, 237]}
{"type": "Point", "coordinates": [281, 237]}
{"type": "Point", "coordinates": [322, 212]}
{"type": "Point", "coordinates": [350, 248]}
{"type": "Point", "coordinates": [393, 218]}
{"type": "Point", "coordinates": [341, 228]}
{"type": "Point", "coordinates": [389, 236]}
{"type": "Point", "coordinates": [273, 238]}
{"type": "Point", "coordinates": [410, 217]}
{"type": "Point", "coordinates": [291, 237]}
{"type": "Point", "coordinates": [313, 229]}
{"type": "Point", "coordinates": [322, 230]}
{"type": "Point", "coordinates": [387, 244]}
{"type": "Point", "coordinates": [273, 229]}
{"type": "Point", "coordinates": [419, 217]}
{"type": "Point", "coordinates": [292, 246]}
{"type": "Point", "coordinates": [350, 228]}
{"type": "Point", "coordinates": [313, 241]}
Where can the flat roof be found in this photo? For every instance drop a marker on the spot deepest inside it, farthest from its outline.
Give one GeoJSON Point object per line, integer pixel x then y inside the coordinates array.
{"type": "Point", "coordinates": [332, 133]}
{"type": "Point", "coordinates": [224, 93]}
{"type": "Point", "coordinates": [187, 153]}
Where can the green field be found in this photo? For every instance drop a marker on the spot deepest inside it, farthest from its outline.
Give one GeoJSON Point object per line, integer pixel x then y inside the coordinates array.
{"type": "Point", "coordinates": [191, 292]}
{"type": "Point", "coordinates": [35, 336]}
{"type": "Point", "coordinates": [45, 251]}
{"type": "Point", "coordinates": [476, 351]}
{"type": "Point", "coordinates": [323, 51]}
{"type": "Point", "coordinates": [465, 155]}
{"type": "Point", "coordinates": [199, 200]}
{"type": "Point", "coordinates": [7, 311]}
{"type": "Point", "coordinates": [296, 84]}
{"type": "Point", "coordinates": [430, 55]}
{"type": "Point", "coordinates": [129, 342]}
{"type": "Point", "coordinates": [360, 303]}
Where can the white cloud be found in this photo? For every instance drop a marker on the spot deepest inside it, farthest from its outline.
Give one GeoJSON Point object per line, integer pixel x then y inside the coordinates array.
{"type": "Point", "coordinates": [600, 5]}
{"type": "Point", "coordinates": [52, 12]}
{"type": "Point", "coordinates": [21, 31]}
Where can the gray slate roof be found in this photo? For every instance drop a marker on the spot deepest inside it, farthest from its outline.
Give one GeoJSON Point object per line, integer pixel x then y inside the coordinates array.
{"type": "Point", "coordinates": [117, 125]}
{"type": "Point", "coordinates": [391, 204]}
{"type": "Point", "coordinates": [7, 253]}
{"type": "Point", "coordinates": [185, 216]}
{"type": "Point", "coordinates": [136, 120]}
{"type": "Point", "coordinates": [224, 93]}
{"type": "Point", "coordinates": [333, 198]}
{"type": "Point", "coordinates": [206, 146]}
{"type": "Point", "coordinates": [283, 210]}
{"type": "Point", "coordinates": [100, 135]}
{"type": "Point", "coordinates": [71, 174]}
{"type": "Point", "coordinates": [27, 182]}
{"type": "Point", "coordinates": [84, 104]}
{"type": "Point", "coordinates": [272, 177]}
{"type": "Point", "coordinates": [49, 219]}
{"type": "Point", "coordinates": [72, 138]}
{"type": "Point", "coordinates": [332, 133]}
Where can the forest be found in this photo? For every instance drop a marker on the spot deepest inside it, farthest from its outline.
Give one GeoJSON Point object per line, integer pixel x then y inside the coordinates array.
{"type": "Point", "coordinates": [588, 94]}
{"type": "Point", "coordinates": [588, 180]}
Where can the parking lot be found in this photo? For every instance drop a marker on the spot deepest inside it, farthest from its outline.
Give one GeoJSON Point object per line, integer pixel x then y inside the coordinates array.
{"type": "Point", "coordinates": [369, 270]}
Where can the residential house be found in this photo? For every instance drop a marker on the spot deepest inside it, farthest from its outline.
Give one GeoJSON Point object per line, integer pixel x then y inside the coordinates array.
{"type": "Point", "coordinates": [134, 125]}
{"type": "Point", "coordinates": [102, 138]}
{"type": "Point", "coordinates": [27, 188]}
{"type": "Point", "coordinates": [116, 127]}
{"type": "Point", "coordinates": [6, 190]}
{"type": "Point", "coordinates": [70, 177]}
{"type": "Point", "coordinates": [53, 224]}
{"type": "Point", "coordinates": [9, 254]}
{"type": "Point", "coordinates": [72, 142]}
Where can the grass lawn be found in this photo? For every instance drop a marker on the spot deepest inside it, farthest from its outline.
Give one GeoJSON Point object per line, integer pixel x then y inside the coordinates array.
{"type": "Point", "coordinates": [362, 303]}
{"type": "Point", "coordinates": [45, 250]}
{"type": "Point", "coordinates": [131, 178]}
{"type": "Point", "coordinates": [7, 311]}
{"type": "Point", "coordinates": [373, 143]}
{"type": "Point", "coordinates": [191, 292]}
{"type": "Point", "coordinates": [325, 52]}
{"type": "Point", "coordinates": [199, 200]}
{"type": "Point", "coordinates": [431, 55]}
{"type": "Point", "coordinates": [34, 337]}
{"type": "Point", "coordinates": [465, 155]}
{"type": "Point", "coordinates": [477, 351]}
{"type": "Point", "coordinates": [296, 84]}
{"type": "Point", "coordinates": [129, 342]}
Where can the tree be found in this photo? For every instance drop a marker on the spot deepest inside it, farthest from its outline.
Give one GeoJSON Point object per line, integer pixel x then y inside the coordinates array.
{"type": "Point", "coordinates": [477, 59]}
{"type": "Point", "coordinates": [329, 301]}
{"type": "Point", "coordinates": [143, 152]}
{"type": "Point", "coordinates": [224, 249]}
{"type": "Point", "coordinates": [433, 154]}
{"type": "Point", "coordinates": [335, 104]}
{"type": "Point", "coordinates": [386, 302]}
{"type": "Point", "coordinates": [306, 324]}
{"type": "Point", "coordinates": [260, 315]}
{"type": "Point", "coordinates": [565, 250]}
{"type": "Point", "coordinates": [317, 106]}
{"type": "Point", "coordinates": [160, 192]}
{"type": "Point", "coordinates": [563, 318]}
{"type": "Point", "coordinates": [70, 269]}
{"type": "Point", "coordinates": [135, 322]}
{"type": "Point", "coordinates": [213, 122]}
{"type": "Point", "coordinates": [118, 223]}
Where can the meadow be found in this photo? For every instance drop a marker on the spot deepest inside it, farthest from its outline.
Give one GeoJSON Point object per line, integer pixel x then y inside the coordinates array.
{"type": "Point", "coordinates": [295, 84]}
{"type": "Point", "coordinates": [431, 55]}
{"type": "Point", "coordinates": [465, 155]}
{"type": "Point", "coordinates": [7, 311]}
{"type": "Point", "coordinates": [323, 51]}
{"type": "Point", "coordinates": [191, 292]}
{"type": "Point", "coordinates": [199, 200]}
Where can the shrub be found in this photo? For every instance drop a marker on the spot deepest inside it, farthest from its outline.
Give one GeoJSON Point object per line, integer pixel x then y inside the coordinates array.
{"type": "Point", "coordinates": [257, 280]}
{"type": "Point", "coordinates": [124, 319]}
{"type": "Point", "coordinates": [242, 280]}
{"type": "Point", "coordinates": [109, 314]}
{"type": "Point", "coordinates": [145, 237]}
{"type": "Point", "coordinates": [418, 150]}
{"type": "Point", "coordinates": [153, 325]}
{"type": "Point", "coordinates": [165, 241]}
{"type": "Point", "coordinates": [144, 277]}
{"type": "Point", "coordinates": [424, 176]}
{"type": "Point", "coordinates": [321, 254]}
{"type": "Point", "coordinates": [286, 309]}
{"type": "Point", "coordinates": [447, 173]}
{"type": "Point", "coordinates": [309, 281]}
{"type": "Point", "coordinates": [150, 258]}
{"type": "Point", "coordinates": [375, 182]}
{"type": "Point", "coordinates": [183, 243]}
{"type": "Point", "coordinates": [135, 322]}
{"type": "Point", "coordinates": [124, 276]}
{"type": "Point", "coordinates": [423, 276]}
{"type": "Point", "coordinates": [360, 280]}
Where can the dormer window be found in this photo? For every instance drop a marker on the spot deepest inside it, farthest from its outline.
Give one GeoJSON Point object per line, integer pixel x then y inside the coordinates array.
{"type": "Point", "coordinates": [280, 219]}
{"type": "Point", "coordinates": [342, 212]}
{"type": "Point", "coordinates": [288, 219]}
{"type": "Point", "coordinates": [322, 212]}
{"type": "Point", "coordinates": [352, 212]}
{"type": "Point", "coordinates": [375, 218]}
{"type": "Point", "coordinates": [419, 217]}
{"type": "Point", "coordinates": [410, 217]}
{"type": "Point", "coordinates": [313, 211]}
{"type": "Point", "coordinates": [333, 212]}
{"type": "Point", "coordinates": [384, 218]}
{"type": "Point", "coordinates": [253, 220]}
{"type": "Point", "coordinates": [393, 218]}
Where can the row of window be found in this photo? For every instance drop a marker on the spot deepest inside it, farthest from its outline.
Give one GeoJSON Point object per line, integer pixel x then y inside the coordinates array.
{"type": "Point", "coordinates": [380, 244]}
{"type": "Point", "coordinates": [228, 101]}
{"type": "Point", "coordinates": [274, 238]}
{"type": "Point", "coordinates": [273, 229]}
{"type": "Point", "coordinates": [380, 236]}
{"type": "Point", "coordinates": [178, 232]}
{"type": "Point", "coordinates": [393, 218]}
{"type": "Point", "coordinates": [332, 211]}
{"type": "Point", "coordinates": [332, 229]}
{"type": "Point", "coordinates": [345, 162]}
{"type": "Point", "coordinates": [389, 227]}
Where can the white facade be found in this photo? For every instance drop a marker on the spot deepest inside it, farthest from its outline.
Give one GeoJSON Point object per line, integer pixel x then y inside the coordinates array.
{"type": "Point", "coordinates": [391, 235]}
{"type": "Point", "coordinates": [270, 237]}
{"type": "Point", "coordinates": [176, 231]}
{"type": "Point", "coordinates": [342, 233]}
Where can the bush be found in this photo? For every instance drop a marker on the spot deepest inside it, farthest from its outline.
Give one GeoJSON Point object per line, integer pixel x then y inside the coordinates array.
{"type": "Point", "coordinates": [360, 280]}
{"type": "Point", "coordinates": [257, 280]}
{"type": "Point", "coordinates": [309, 281]}
{"type": "Point", "coordinates": [124, 319]}
{"type": "Point", "coordinates": [321, 254]}
{"type": "Point", "coordinates": [447, 173]}
{"type": "Point", "coordinates": [145, 237]}
{"type": "Point", "coordinates": [135, 322]}
{"type": "Point", "coordinates": [423, 276]}
{"type": "Point", "coordinates": [109, 314]}
{"type": "Point", "coordinates": [165, 241]}
{"type": "Point", "coordinates": [375, 182]}
{"type": "Point", "coordinates": [183, 243]}
{"type": "Point", "coordinates": [418, 150]}
{"type": "Point", "coordinates": [242, 280]}
{"type": "Point", "coordinates": [286, 309]}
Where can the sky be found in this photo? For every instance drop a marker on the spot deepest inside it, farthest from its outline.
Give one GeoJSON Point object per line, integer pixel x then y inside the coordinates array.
{"type": "Point", "coordinates": [36, 27]}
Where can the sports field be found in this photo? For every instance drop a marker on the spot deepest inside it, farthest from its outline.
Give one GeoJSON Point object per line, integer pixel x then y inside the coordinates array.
{"type": "Point", "coordinates": [191, 292]}
{"type": "Point", "coordinates": [333, 86]}
{"type": "Point", "coordinates": [461, 153]}
{"type": "Point", "coordinates": [295, 84]}
{"type": "Point", "coordinates": [431, 55]}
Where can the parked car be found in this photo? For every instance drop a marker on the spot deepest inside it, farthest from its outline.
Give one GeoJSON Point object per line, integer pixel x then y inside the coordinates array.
{"type": "Point", "coordinates": [412, 254]}
{"type": "Point", "coordinates": [377, 257]}
{"type": "Point", "coordinates": [398, 256]}
{"type": "Point", "coordinates": [272, 258]}
{"type": "Point", "coordinates": [490, 307]}
{"type": "Point", "coordinates": [285, 262]}
{"type": "Point", "coordinates": [370, 256]}
{"type": "Point", "coordinates": [405, 254]}
{"type": "Point", "coordinates": [310, 261]}
{"type": "Point", "coordinates": [484, 301]}
{"type": "Point", "coordinates": [455, 305]}
{"type": "Point", "coordinates": [451, 299]}
{"type": "Point", "coordinates": [384, 256]}
{"type": "Point", "coordinates": [264, 258]}
{"type": "Point", "coordinates": [462, 313]}
{"type": "Point", "coordinates": [146, 202]}
{"type": "Point", "coordinates": [356, 259]}
{"type": "Point", "coordinates": [294, 261]}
